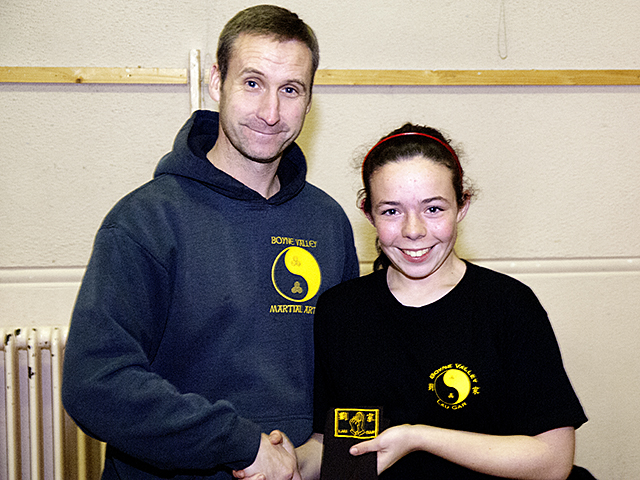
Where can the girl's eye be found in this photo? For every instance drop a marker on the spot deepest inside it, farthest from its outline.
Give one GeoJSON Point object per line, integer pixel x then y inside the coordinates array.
{"type": "Point", "coordinates": [390, 211]}
{"type": "Point", "coordinates": [434, 209]}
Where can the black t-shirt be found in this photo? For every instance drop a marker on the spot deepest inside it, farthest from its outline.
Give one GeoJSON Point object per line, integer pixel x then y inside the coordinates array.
{"type": "Point", "coordinates": [483, 358]}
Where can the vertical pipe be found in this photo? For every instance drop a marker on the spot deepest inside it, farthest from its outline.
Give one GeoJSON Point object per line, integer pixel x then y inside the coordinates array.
{"type": "Point", "coordinates": [103, 453]}
{"type": "Point", "coordinates": [57, 413]}
{"type": "Point", "coordinates": [195, 80]}
{"type": "Point", "coordinates": [82, 454]}
{"type": "Point", "coordinates": [35, 403]}
{"type": "Point", "coordinates": [12, 385]}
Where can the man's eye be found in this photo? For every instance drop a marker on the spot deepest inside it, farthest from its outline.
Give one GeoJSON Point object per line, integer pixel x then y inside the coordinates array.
{"type": "Point", "coordinates": [290, 91]}
{"type": "Point", "coordinates": [252, 84]}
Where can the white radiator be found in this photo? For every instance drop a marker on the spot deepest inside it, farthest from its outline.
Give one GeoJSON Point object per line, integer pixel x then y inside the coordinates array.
{"type": "Point", "coordinates": [38, 441]}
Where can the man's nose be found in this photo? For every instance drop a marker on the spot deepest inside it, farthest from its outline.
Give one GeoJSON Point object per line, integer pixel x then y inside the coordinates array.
{"type": "Point", "coordinates": [269, 110]}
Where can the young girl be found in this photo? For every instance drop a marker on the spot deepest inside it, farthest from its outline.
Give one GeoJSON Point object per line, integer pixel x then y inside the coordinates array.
{"type": "Point", "coordinates": [462, 359]}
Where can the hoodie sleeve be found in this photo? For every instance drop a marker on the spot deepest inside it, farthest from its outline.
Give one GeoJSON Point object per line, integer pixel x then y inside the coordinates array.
{"type": "Point", "coordinates": [351, 265]}
{"type": "Point", "coordinates": [109, 387]}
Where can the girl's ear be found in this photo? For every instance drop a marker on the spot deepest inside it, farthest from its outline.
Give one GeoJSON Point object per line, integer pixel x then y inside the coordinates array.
{"type": "Point", "coordinates": [462, 212]}
{"type": "Point", "coordinates": [366, 214]}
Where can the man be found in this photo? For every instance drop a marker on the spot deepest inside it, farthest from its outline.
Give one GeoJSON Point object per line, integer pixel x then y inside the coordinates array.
{"type": "Point", "coordinates": [191, 337]}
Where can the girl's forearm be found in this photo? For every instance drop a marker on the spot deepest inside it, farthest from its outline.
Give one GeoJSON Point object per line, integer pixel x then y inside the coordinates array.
{"type": "Point", "coordinates": [545, 456]}
{"type": "Point", "coordinates": [310, 457]}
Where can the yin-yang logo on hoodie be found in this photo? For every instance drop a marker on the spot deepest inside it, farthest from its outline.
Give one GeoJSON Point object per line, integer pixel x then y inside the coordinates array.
{"type": "Point", "coordinates": [296, 274]}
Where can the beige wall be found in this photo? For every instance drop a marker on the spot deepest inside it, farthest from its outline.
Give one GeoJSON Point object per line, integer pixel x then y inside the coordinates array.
{"type": "Point", "coordinates": [556, 167]}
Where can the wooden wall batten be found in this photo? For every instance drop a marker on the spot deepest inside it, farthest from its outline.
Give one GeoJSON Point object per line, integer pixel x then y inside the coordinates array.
{"type": "Point", "coordinates": [178, 76]}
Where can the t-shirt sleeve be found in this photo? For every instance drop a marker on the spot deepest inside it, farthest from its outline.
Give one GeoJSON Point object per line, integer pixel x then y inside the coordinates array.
{"type": "Point", "coordinates": [541, 397]}
{"type": "Point", "coordinates": [320, 403]}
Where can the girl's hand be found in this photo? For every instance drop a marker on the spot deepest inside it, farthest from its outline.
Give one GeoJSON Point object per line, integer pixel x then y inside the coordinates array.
{"type": "Point", "coordinates": [391, 445]}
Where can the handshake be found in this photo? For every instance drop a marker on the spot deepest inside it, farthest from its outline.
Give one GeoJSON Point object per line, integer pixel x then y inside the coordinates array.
{"type": "Point", "coordinates": [346, 457]}
{"type": "Point", "coordinates": [276, 460]}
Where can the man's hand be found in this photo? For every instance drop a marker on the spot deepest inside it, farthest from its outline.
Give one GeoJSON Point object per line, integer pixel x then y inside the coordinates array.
{"type": "Point", "coordinates": [276, 460]}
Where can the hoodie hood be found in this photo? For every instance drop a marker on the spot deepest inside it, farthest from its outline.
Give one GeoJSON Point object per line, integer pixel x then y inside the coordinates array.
{"type": "Point", "coordinates": [189, 159]}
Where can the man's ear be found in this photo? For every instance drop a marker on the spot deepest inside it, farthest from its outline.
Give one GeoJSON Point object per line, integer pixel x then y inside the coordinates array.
{"type": "Point", "coordinates": [215, 83]}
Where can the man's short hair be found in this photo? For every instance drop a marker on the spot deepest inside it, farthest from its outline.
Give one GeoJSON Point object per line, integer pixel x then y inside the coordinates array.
{"type": "Point", "coordinates": [266, 20]}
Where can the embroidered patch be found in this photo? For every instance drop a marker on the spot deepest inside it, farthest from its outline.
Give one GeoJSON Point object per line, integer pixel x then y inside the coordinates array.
{"type": "Point", "coordinates": [295, 274]}
{"type": "Point", "coordinates": [356, 422]}
{"type": "Point", "coordinates": [453, 384]}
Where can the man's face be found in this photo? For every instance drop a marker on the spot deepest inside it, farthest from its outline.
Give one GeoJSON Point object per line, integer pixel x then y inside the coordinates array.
{"type": "Point", "coordinates": [264, 97]}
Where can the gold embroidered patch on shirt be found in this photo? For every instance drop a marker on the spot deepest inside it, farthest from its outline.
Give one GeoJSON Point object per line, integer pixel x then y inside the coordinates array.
{"type": "Point", "coordinates": [454, 385]}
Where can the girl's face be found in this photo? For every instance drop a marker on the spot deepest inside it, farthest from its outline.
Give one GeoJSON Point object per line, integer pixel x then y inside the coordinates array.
{"type": "Point", "coordinates": [414, 210]}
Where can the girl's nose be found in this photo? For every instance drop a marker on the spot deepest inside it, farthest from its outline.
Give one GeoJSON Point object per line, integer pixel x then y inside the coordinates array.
{"type": "Point", "coordinates": [414, 227]}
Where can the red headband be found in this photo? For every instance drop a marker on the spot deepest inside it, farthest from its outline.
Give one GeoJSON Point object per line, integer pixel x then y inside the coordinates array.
{"type": "Point", "coordinates": [444, 144]}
